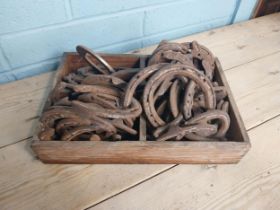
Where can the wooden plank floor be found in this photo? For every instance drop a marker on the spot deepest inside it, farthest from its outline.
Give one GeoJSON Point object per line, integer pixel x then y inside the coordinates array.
{"type": "Point", "coordinates": [250, 55]}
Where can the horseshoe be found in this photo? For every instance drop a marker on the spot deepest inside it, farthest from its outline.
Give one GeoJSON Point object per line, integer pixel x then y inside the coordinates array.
{"type": "Point", "coordinates": [126, 74]}
{"type": "Point", "coordinates": [165, 85]}
{"type": "Point", "coordinates": [104, 80]}
{"type": "Point", "coordinates": [225, 106]}
{"type": "Point", "coordinates": [70, 135]}
{"type": "Point", "coordinates": [176, 70]}
{"type": "Point", "coordinates": [132, 112]}
{"type": "Point", "coordinates": [177, 132]}
{"type": "Point", "coordinates": [50, 116]}
{"type": "Point", "coordinates": [136, 80]}
{"type": "Point", "coordinates": [63, 102]}
{"type": "Point", "coordinates": [202, 53]}
{"type": "Point", "coordinates": [179, 57]}
{"type": "Point", "coordinates": [173, 98]}
{"type": "Point", "coordinates": [66, 123]}
{"type": "Point", "coordinates": [46, 134]}
{"type": "Point", "coordinates": [73, 78]}
{"type": "Point", "coordinates": [60, 91]}
{"type": "Point", "coordinates": [188, 100]}
{"type": "Point", "coordinates": [220, 92]}
{"type": "Point", "coordinates": [177, 47]}
{"type": "Point", "coordinates": [95, 89]}
{"type": "Point", "coordinates": [174, 95]}
{"type": "Point", "coordinates": [91, 98]}
{"type": "Point", "coordinates": [161, 107]}
{"type": "Point", "coordinates": [158, 55]}
{"type": "Point", "coordinates": [210, 115]}
{"type": "Point", "coordinates": [118, 123]}
{"type": "Point", "coordinates": [85, 71]}
{"type": "Point", "coordinates": [220, 104]}
{"type": "Point", "coordinates": [76, 113]}
{"type": "Point", "coordinates": [160, 130]}
{"type": "Point", "coordinates": [88, 54]}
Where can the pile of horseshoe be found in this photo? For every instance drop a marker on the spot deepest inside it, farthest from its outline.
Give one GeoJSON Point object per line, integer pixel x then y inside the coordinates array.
{"type": "Point", "coordinates": [174, 96]}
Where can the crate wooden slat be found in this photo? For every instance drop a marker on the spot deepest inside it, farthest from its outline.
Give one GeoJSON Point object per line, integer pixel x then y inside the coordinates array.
{"type": "Point", "coordinates": [230, 151]}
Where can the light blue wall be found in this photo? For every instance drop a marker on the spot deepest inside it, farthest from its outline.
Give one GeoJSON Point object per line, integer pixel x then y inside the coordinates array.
{"type": "Point", "coordinates": [35, 33]}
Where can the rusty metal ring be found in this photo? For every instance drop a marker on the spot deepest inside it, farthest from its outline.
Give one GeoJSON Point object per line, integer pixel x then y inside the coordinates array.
{"type": "Point", "coordinates": [86, 52]}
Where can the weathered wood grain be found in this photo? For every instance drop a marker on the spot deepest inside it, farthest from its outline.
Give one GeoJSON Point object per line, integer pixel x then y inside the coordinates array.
{"type": "Point", "coordinates": [27, 183]}
{"type": "Point", "coordinates": [140, 152]}
{"type": "Point", "coordinates": [256, 87]}
{"type": "Point", "coordinates": [254, 183]}
{"type": "Point", "coordinates": [20, 106]}
{"type": "Point", "coordinates": [240, 43]}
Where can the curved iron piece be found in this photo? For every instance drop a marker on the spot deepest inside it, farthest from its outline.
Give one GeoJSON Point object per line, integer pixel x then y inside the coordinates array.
{"type": "Point", "coordinates": [88, 54]}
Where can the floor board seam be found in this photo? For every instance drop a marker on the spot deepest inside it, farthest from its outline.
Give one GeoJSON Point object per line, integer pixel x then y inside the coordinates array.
{"type": "Point", "coordinates": [259, 58]}
{"type": "Point", "coordinates": [132, 186]}
{"type": "Point", "coordinates": [265, 121]}
{"type": "Point", "coordinates": [4, 146]}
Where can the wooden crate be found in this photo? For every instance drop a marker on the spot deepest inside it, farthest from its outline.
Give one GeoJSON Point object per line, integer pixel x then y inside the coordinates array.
{"type": "Point", "coordinates": [173, 152]}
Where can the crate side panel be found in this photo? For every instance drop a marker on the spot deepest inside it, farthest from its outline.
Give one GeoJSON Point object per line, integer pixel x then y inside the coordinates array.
{"type": "Point", "coordinates": [140, 152]}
